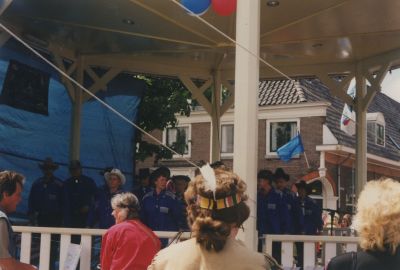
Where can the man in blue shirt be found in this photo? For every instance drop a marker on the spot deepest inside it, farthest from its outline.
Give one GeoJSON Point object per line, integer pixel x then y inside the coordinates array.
{"type": "Point", "coordinates": [100, 212]}
{"type": "Point", "coordinates": [311, 213]}
{"type": "Point", "coordinates": [310, 219]}
{"type": "Point", "coordinates": [290, 215]}
{"type": "Point", "coordinates": [160, 209]}
{"type": "Point", "coordinates": [269, 208]}
{"type": "Point", "coordinates": [46, 197]}
{"type": "Point", "coordinates": [10, 195]}
{"type": "Point", "coordinates": [79, 195]}
{"type": "Point", "coordinates": [144, 186]}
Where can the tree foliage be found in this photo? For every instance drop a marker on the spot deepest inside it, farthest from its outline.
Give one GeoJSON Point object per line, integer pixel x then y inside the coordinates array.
{"type": "Point", "coordinates": [162, 100]}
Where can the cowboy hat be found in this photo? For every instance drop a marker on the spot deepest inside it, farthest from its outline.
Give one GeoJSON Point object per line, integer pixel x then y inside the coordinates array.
{"type": "Point", "coordinates": [48, 164]}
{"type": "Point", "coordinates": [116, 172]}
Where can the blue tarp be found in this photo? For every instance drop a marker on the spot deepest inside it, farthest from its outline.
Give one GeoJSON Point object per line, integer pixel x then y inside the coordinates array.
{"type": "Point", "coordinates": [106, 140]}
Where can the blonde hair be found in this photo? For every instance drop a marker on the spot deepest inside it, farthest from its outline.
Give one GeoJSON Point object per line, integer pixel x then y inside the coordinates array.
{"type": "Point", "coordinates": [378, 216]}
{"type": "Point", "coordinates": [212, 227]}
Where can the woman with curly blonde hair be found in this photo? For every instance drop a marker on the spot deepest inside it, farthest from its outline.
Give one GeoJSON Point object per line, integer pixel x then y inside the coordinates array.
{"type": "Point", "coordinates": [215, 216]}
{"type": "Point", "coordinates": [378, 225]}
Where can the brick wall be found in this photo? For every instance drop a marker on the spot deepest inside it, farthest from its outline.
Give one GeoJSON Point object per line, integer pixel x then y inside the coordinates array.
{"type": "Point", "coordinates": [201, 135]}
{"type": "Point", "coordinates": [311, 130]}
{"type": "Point", "coordinates": [311, 133]}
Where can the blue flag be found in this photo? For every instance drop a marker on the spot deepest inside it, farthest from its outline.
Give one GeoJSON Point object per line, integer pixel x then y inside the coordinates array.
{"type": "Point", "coordinates": [292, 148]}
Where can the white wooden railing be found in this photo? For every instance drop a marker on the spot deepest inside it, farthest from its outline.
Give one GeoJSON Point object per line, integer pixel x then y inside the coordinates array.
{"type": "Point", "coordinates": [65, 240]}
{"type": "Point", "coordinates": [330, 247]}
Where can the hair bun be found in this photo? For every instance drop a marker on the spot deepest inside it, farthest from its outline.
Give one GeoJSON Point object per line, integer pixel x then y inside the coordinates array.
{"type": "Point", "coordinates": [211, 234]}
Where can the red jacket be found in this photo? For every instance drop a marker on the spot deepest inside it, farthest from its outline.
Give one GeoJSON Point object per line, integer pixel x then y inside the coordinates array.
{"type": "Point", "coordinates": [129, 245]}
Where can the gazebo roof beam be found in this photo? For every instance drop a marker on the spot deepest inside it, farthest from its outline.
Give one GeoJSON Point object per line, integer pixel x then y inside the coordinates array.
{"type": "Point", "coordinates": [377, 61]}
{"type": "Point", "coordinates": [149, 66]}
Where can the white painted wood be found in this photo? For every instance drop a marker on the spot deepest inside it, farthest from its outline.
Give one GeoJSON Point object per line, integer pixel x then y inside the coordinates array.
{"type": "Point", "coordinates": [86, 253]}
{"type": "Point", "coordinates": [246, 107]}
{"type": "Point", "coordinates": [351, 247]}
{"type": "Point", "coordinates": [45, 245]}
{"type": "Point", "coordinates": [26, 241]}
{"type": "Point", "coordinates": [309, 254]}
{"type": "Point", "coordinates": [330, 252]}
{"type": "Point", "coordinates": [64, 243]}
{"type": "Point", "coordinates": [287, 246]}
{"type": "Point", "coordinates": [327, 136]}
{"type": "Point", "coordinates": [274, 112]}
{"type": "Point", "coordinates": [268, 244]}
{"type": "Point", "coordinates": [361, 130]}
{"type": "Point", "coordinates": [287, 254]}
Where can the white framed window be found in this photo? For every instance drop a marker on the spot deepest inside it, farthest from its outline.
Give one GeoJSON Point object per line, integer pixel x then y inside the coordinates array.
{"type": "Point", "coordinates": [376, 128]}
{"type": "Point", "coordinates": [227, 136]}
{"type": "Point", "coordinates": [279, 132]}
{"type": "Point", "coordinates": [379, 134]}
{"type": "Point", "coordinates": [178, 138]}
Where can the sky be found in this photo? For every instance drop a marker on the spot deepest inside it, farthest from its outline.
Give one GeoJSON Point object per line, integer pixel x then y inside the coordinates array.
{"type": "Point", "coordinates": [391, 85]}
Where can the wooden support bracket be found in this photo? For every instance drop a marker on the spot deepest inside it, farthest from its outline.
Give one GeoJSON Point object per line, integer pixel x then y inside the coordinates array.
{"type": "Point", "coordinates": [198, 93]}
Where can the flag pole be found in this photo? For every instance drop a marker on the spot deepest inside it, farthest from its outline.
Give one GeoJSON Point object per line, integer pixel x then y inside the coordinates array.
{"type": "Point", "coordinates": [304, 151]}
{"type": "Point", "coordinates": [305, 156]}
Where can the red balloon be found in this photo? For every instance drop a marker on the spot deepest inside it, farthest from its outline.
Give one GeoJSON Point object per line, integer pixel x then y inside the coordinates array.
{"type": "Point", "coordinates": [224, 7]}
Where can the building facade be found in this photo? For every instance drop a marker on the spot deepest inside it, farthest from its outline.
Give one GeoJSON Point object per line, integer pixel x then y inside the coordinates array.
{"type": "Point", "coordinates": [286, 108]}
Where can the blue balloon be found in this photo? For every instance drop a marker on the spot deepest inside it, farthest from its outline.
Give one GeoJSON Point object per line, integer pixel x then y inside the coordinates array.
{"type": "Point", "coordinates": [197, 7]}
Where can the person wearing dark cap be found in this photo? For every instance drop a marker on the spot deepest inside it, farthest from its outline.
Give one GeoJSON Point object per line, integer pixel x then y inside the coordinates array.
{"type": "Point", "coordinates": [45, 201]}
{"type": "Point", "coordinates": [290, 215]}
{"type": "Point", "coordinates": [310, 218]}
{"type": "Point", "coordinates": [79, 192]}
{"type": "Point", "coordinates": [161, 211]}
{"type": "Point", "coordinates": [310, 211]}
{"type": "Point", "coordinates": [144, 185]}
{"type": "Point", "coordinates": [181, 183]}
{"type": "Point", "coordinates": [269, 208]}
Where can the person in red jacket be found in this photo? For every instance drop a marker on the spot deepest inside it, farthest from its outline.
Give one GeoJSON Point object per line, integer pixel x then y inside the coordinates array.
{"type": "Point", "coordinates": [128, 245]}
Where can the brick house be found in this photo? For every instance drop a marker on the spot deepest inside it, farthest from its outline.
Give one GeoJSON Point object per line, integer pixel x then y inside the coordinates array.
{"type": "Point", "coordinates": [285, 108]}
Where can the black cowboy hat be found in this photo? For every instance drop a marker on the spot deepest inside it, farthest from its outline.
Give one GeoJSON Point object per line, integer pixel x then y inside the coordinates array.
{"type": "Point", "coordinates": [280, 174]}
{"type": "Point", "coordinates": [48, 164]}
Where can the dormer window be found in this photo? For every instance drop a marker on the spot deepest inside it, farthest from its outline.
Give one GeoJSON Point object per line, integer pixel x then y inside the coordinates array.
{"type": "Point", "coordinates": [376, 128]}
{"type": "Point", "coordinates": [380, 134]}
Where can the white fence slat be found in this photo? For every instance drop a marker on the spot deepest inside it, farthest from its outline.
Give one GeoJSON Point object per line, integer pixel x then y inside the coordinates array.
{"type": "Point", "coordinates": [287, 253]}
{"type": "Point", "coordinates": [26, 242]}
{"type": "Point", "coordinates": [351, 247]}
{"type": "Point", "coordinates": [268, 245]}
{"type": "Point", "coordinates": [86, 253]}
{"type": "Point", "coordinates": [309, 254]}
{"type": "Point", "coordinates": [64, 243]}
{"type": "Point", "coordinates": [330, 252]}
{"type": "Point", "coordinates": [45, 245]}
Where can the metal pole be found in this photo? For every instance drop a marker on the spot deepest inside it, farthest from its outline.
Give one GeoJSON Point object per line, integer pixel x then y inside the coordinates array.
{"type": "Point", "coordinates": [246, 107]}
{"type": "Point", "coordinates": [361, 130]}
